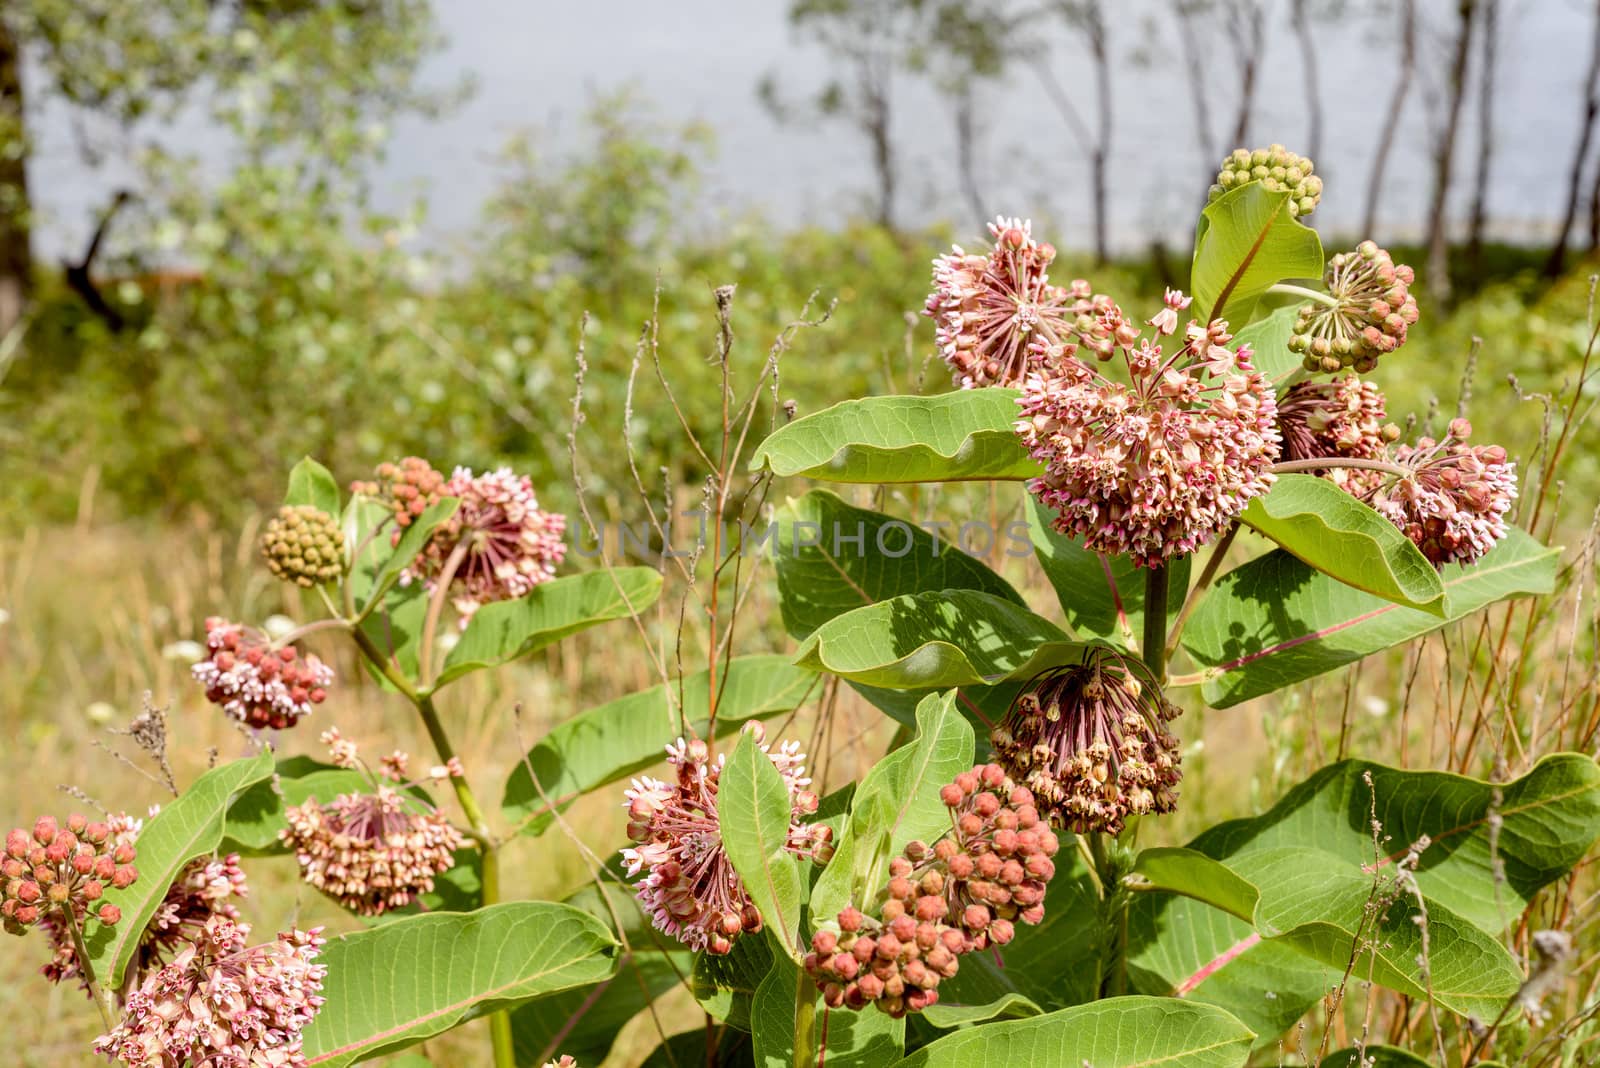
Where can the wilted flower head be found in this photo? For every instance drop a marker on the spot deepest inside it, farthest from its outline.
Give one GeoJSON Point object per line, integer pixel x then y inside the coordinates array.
{"type": "Point", "coordinates": [256, 683]}
{"type": "Point", "coordinates": [690, 887]}
{"type": "Point", "coordinates": [1454, 501]}
{"type": "Point", "coordinates": [53, 867]}
{"type": "Point", "coordinates": [996, 313]}
{"type": "Point", "coordinates": [221, 1002]}
{"type": "Point", "coordinates": [1090, 741]}
{"type": "Point", "coordinates": [304, 545]}
{"type": "Point", "coordinates": [1341, 418]}
{"type": "Point", "coordinates": [369, 852]}
{"type": "Point", "coordinates": [1157, 468]}
{"type": "Point", "coordinates": [1277, 169]}
{"type": "Point", "coordinates": [1373, 307]}
{"type": "Point", "coordinates": [499, 544]}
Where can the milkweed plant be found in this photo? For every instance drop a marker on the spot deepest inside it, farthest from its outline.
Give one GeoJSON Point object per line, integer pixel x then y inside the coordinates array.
{"type": "Point", "coordinates": [1216, 496]}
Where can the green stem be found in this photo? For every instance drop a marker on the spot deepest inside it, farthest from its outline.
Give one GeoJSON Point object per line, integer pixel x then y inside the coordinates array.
{"type": "Point", "coordinates": [805, 1015]}
{"type": "Point", "coordinates": [1153, 651]}
{"type": "Point", "coordinates": [103, 999]}
{"type": "Point", "coordinates": [1207, 573]}
{"type": "Point", "coordinates": [499, 1023]}
{"type": "Point", "coordinates": [1321, 463]}
{"type": "Point", "coordinates": [1287, 290]}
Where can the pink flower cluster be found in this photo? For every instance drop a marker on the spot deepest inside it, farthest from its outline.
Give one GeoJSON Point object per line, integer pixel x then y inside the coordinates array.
{"type": "Point", "coordinates": [1454, 499]}
{"type": "Point", "coordinates": [1155, 468]}
{"type": "Point", "coordinates": [54, 868]}
{"type": "Point", "coordinates": [222, 1003]}
{"type": "Point", "coordinates": [965, 893]}
{"type": "Point", "coordinates": [499, 544]}
{"type": "Point", "coordinates": [690, 888]}
{"type": "Point", "coordinates": [996, 313]}
{"type": "Point", "coordinates": [371, 852]}
{"type": "Point", "coordinates": [256, 684]}
{"type": "Point", "coordinates": [1344, 417]}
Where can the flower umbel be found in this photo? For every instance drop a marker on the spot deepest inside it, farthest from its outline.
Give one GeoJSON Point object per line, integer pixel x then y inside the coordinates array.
{"type": "Point", "coordinates": [1341, 418]}
{"type": "Point", "coordinates": [53, 868]}
{"type": "Point", "coordinates": [222, 1003]}
{"type": "Point", "coordinates": [370, 852]}
{"type": "Point", "coordinates": [1157, 468]}
{"type": "Point", "coordinates": [690, 887]}
{"type": "Point", "coordinates": [1453, 504]}
{"type": "Point", "coordinates": [1090, 741]}
{"type": "Point", "coordinates": [1277, 169]}
{"type": "Point", "coordinates": [1373, 309]}
{"type": "Point", "coordinates": [255, 683]}
{"type": "Point", "coordinates": [304, 545]}
{"type": "Point", "coordinates": [997, 312]}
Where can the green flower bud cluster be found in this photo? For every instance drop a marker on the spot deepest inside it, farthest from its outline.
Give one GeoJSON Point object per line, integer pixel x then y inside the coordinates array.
{"type": "Point", "coordinates": [1277, 169]}
{"type": "Point", "coordinates": [1370, 310]}
{"type": "Point", "coordinates": [304, 545]}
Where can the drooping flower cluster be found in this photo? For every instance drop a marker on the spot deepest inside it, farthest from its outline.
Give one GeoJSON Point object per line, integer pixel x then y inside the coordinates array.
{"type": "Point", "coordinates": [304, 545]}
{"type": "Point", "coordinates": [1158, 467]}
{"type": "Point", "coordinates": [221, 1002]}
{"type": "Point", "coordinates": [1342, 418]}
{"type": "Point", "coordinates": [965, 893]}
{"type": "Point", "coordinates": [1453, 502]}
{"type": "Point", "coordinates": [54, 868]}
{"type": "Point", "coordinates": [369, 852]}
{"type": "Point", "coordinates": [255, 683]}
{"type": "Point", "coordinates": [996, 313]}
{"type": "Point", "coordinates": [564, 1061]}
{"type": "Point", "coordinates": [499, 544]}
{"type": "Point", "coordinates": [1277, 169]}
{"type": "Point", "coordinates": [1090, 741]}
{"type": "Point", "coordinates": [1371, 310]}
{"type": "Point", "coordinates": [207, 886]}
{"type": "Point", "coordinates": [690, 888]}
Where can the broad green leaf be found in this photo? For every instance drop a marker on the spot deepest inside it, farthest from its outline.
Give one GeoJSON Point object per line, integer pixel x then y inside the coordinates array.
{"type": "Point", "coordinates": [507, 630]}
{"type": "Point", "coordinates": [1342, 537]}
{"type": "Point", "coordinates": [626, 736]}
{"type": "Point", "coordinates": [1116, 1033]}
{"type": "Point", "coordinates": [189, 827]}
{"type": "Point", "coordinates": [842, 1038]}
{"type": "Point", "coordinates": [897, 802]}
{"type": "Point", "coordinates": [405, 550]}
{"type": "Point", "coordinates": [929, 640]}
{"type": "Point", "coordinates": [1317, 903]}
{"type": "Point", "coordinates": [311, 483]}
{"type": "Point", "coordinates": [725, 985]}
{"type": "Point", "coordinates": [256, 815]}
{"type": "Point", "coordinates": [1246, 243]}
{"type": "Point", "coordinates": [395, 985]}
{"type": "Point", "coordinates": [830, 559]}
{"type": "Point", "coordinates": [1006, 1007]}
{"type": "Point", "coordinates": [395, 629]}
{"type": "Point", "coordinates": [754, 809]}
{"type": "Point", "coordinates": [1548, 820]}
{"type": "Point", "coordinates": [583, 1022]}
{"type": "Point", "coordinates": [1193, 874]}
{"type": "Point", "coordinates": [1268, 338]}
{"type": "Point", "coordinates": [950, 437]}
{"type": "Point", "coordinates": [1101, 596]}
{"type": "Point", "coordinates": [1317, 623]}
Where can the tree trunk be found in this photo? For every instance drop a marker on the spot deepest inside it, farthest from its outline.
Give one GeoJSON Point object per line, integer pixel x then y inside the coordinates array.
{"type": "Point", "coordinates": [1308, 64]}
{"type": "Point", "coordinates": [16, 249]}
{"type": "Point", "coordinates": [1444, 157]}
{"type": "Point", "coordinates": [1195, 69]}
{"type": "Point", "coordinates": [1591, 106]}
{"type": "Point", "coordinates": [1095, 27]}
{"type": "Point", "coordinates": [1247, 29]}
{"type": "Point", "coordinates": [877, 130]}
{"type": "Point", "coordinates": [1391, 122]}
{"type": "Point", "coordinates": [967, 151]}
{"type": "Point", "coordinates": [1480, 185]}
